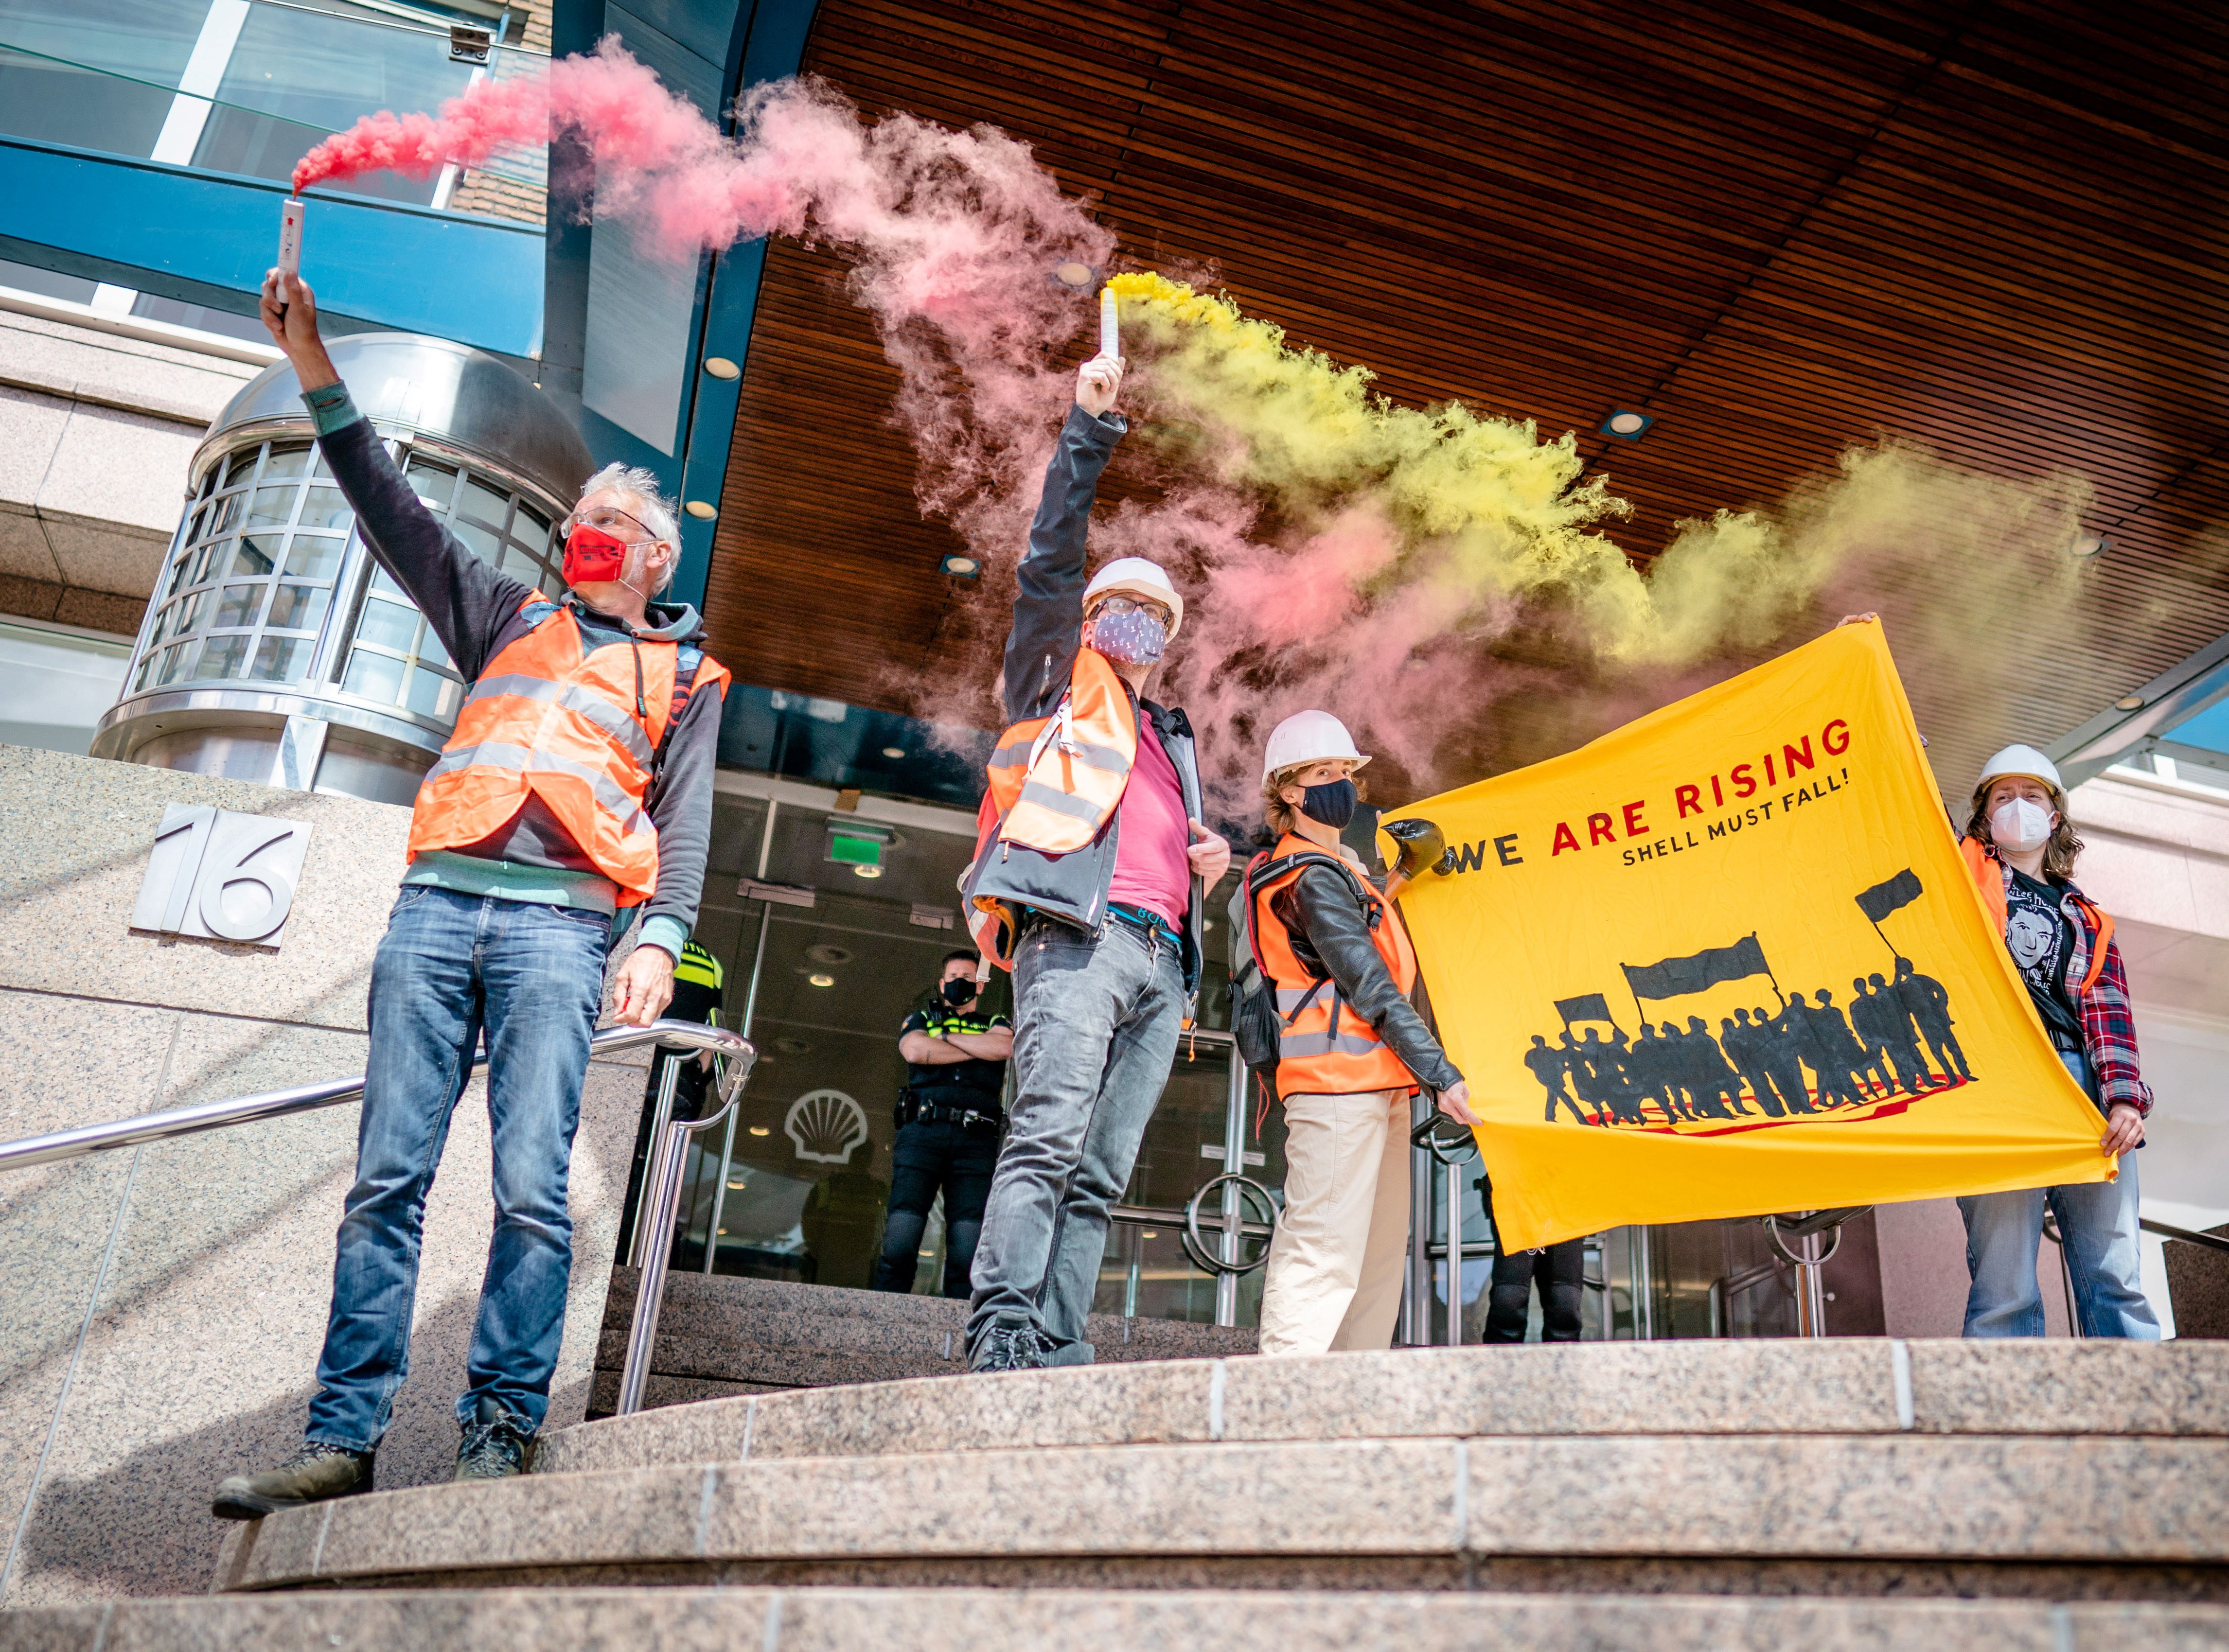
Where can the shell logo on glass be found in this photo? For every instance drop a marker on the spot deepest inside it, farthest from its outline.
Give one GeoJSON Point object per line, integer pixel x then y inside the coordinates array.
{"type": "Point", "coordinates": [826, 1125]}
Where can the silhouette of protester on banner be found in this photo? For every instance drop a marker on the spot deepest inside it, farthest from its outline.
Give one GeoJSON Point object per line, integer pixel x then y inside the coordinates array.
{"type": "Point", "coordinates": [1930, 1007]}
{"type": "Point", "coordinates": [1550, 1067]}
{"type": "Point", "coordinates": [1883, 1025]}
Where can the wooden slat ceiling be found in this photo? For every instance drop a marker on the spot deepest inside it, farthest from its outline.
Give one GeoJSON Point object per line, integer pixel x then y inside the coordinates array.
{"type": "Point", "coordinates": [1782, 229]}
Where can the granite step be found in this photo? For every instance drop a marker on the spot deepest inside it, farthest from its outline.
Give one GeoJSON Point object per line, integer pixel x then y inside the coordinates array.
{"type": "Point", "coordinates": [968, 1620]}
{"type": "Point", "coordinates": [2011, 1515]}
{"type": "Point", "coordinates": [718, 1335]}
{"type": "Point", "coordinates": [1852, 1386]}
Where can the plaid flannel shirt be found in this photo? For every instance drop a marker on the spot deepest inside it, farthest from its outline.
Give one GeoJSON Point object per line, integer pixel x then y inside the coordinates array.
{"type": "Point", "coordinates": [2109, 1027]}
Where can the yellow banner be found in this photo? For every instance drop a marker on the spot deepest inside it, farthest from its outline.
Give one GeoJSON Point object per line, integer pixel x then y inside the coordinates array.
{"type": "Point", "coordinates": [1727, 961]}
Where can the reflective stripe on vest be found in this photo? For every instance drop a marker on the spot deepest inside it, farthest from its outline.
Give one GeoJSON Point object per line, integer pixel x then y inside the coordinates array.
{"type": "Point", "coordinates": [1054, 781]}
{"type": "Point", "coordinates": [1054, 784]}
{"type": "Point", "coordinates": [551, 719]}
{"type": "Point", "coordinates": [1324, 1047]}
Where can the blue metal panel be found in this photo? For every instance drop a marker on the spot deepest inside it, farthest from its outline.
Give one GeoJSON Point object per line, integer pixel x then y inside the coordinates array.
{"type": "Point", "coordinates": [473, 281]}
{"type": "Point", "coordinates": [769, 44]}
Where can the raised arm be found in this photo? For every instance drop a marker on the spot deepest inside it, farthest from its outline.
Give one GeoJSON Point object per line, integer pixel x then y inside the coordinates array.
{"type": "Point", "coordinates": [1048, 590]}
{"type": "Point", "coordinates": [465, 600]}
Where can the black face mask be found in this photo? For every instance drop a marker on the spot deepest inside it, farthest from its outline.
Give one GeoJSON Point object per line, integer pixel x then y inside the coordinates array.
{"type": "Point", "coordinates": [958, 991]}
{"type": "Point", "coordinates": [1332, 805]}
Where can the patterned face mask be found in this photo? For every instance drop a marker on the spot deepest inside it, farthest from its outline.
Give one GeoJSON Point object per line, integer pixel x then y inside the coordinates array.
{"type": "Point", "coordinates": [1132, 638]}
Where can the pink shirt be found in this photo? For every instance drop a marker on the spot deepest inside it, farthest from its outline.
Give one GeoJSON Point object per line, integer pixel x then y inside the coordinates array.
{"type": "Point", "coordinates": [1151, 869]}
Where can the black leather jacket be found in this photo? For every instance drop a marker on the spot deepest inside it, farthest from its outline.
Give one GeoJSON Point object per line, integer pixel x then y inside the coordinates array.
{"type": "Point", "coordinates": [1330, 934]}
{"type": "Point", "coordinates": [1040, 655]}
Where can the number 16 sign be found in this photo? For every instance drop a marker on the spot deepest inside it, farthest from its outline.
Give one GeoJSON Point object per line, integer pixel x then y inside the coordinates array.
{"type": "Point", "coordinates": [222, 875]}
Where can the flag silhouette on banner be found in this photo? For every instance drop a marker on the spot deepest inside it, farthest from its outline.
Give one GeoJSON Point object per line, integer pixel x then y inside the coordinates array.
{"type": "Point", "coordinates": [1591, 1007]}
{"type": "Point", "coordinates": [1677, 977]}
{"type": "Point", "coordinates": [1802, 1067]}
{"type": "Point", "coordinates": [1883, 899]}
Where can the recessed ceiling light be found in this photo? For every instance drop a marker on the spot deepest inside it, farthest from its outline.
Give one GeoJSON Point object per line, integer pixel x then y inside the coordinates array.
{"type": "Point", "coordinates": [866, 872]}
{"type": "Point", "coordinates": [2093, 545]}
{"type": "Point", "coordinates": [1076, 273]}
{"type": "Point", "coordinates": [962, 567]}
{"type": "Point", "coordinates": [894, 752]}
{"type": "Point", "coordinates": [701, 510]}
{"type": "Point", "coordinates": [2129, 703]}
{"type": "Point", "coordinates": [721, 368]}
{"type": "Point", "coordinates": [761, 1129]}
{"type": "Point", "coordinates": [821, 980]}
{"type": "Point", "coordinates": [1626, 424]}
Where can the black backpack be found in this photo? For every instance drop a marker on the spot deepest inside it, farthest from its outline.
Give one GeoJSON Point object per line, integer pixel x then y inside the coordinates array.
{"type": "Point", "coordinates": [1255, 1025]}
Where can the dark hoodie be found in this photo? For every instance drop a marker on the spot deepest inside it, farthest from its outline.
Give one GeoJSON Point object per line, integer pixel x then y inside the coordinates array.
{"type": "Point", "coordinates": [474, 610]}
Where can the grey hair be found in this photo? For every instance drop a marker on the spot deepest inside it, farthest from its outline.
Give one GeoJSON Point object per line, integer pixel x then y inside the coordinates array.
{"type": "Point", "coordinates": [655, 512]}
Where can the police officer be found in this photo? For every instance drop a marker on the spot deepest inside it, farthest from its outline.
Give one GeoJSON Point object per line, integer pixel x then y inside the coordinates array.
{"type": "Point", "coordinates": [697, 980]}
{"type": "Point", "coordinates": [948, 1124]}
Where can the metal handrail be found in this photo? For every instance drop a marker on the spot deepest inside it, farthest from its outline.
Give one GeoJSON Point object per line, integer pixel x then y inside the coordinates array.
{"type": "Point", "coordinates": [23, 1153]}
{"type": "Point", "coordinates": [733, 1054]}
{"type": "Point", "coordinates": [2210, 1241]}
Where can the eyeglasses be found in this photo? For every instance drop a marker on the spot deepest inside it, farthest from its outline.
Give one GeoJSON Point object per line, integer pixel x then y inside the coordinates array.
{"type": "Point", "coordinates": [607, 518]}
{"type": "Point", "coordinates": [1133, 605]}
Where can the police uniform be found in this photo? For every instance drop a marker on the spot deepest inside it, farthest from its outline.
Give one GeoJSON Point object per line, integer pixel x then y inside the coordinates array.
{"type": "Point", "coordinates": [697, 980]}
{"type": "Point", "coordinates": [949, 1119]}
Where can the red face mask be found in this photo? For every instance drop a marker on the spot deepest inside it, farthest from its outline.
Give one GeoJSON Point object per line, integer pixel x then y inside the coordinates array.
{"type": "Point", "coordinates": [594, 556]}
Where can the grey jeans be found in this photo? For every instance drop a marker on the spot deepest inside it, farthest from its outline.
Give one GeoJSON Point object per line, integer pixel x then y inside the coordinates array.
{"type": "Point", "coordinates": [1095, 1025]}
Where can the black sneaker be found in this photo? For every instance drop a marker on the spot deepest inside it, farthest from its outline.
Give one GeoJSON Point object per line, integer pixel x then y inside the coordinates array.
{"type": "Point", "coordinates": [314, 1473]}
{"type": "Point", "coordinates": [1009, 1347]}
{"type": "Point", "coordinates": [496, 1445]}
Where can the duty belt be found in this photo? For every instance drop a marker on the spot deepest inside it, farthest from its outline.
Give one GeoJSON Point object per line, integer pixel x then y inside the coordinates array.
{"type": "Point", "coordinates": [984, 1120]}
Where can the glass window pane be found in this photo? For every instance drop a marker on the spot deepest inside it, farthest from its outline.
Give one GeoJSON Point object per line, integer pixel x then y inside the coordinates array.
{"type": "Point", "coordinates": [375, 677]}
{"type": "Point", "coordinates": [222, 515]}
{"type": "Point", "coordinates": [326, 507]}
{"type": "Point", "coordinates": [187, 612]}
{"type": "Point", "coordinates": [222, 656]}
{"type": "Point", "coordinates": [208, 481]}
{"type": "Point", "coordinates": [280, 659]}
{"type": "Point", "coordinates": [517, 564]}
{"type": "Point", "coordinates": [194, 524]}
{"type": "Point", "coordinates": [434, 483]}
{"type": "Point", "coordinates": [298, 607]}
{"type": "Point", "coordinates": [383, 583]}
{"type": "Point", "coordinates": [553, 585]}
{"type": "Point", "coordinates": [432, 694]}
{"type": "Point", "coordinates": [321, 469]}
{"type": "Point", "coordinates": [429, 648]}
{"type": "Point", "coordinates": [314, 558]}
{"type": "Point", "coordinates": [179, 570]}
{"type": "Point", "coordinates": [173, 663]}
{"type": "Point", "coordinates": [239, 604]}
{"type": "Point", "coordinates": [240, 467]}
{"type": "Point", "coordinates": [390, 625]}
{"type": "Point", "coordinates": [272, 507]}
{"type": "Point", "coordinates": [484, 503]}
{"type": "Point", "coordinates": [301, 73]}
{"type": "Point", "coordinates": [107, 92]}
{"type": "Point", "coordinates": [286, 462]}
{"type": "Point", "coordinates": [257, 555]}
{"type": "Point", "coordinates": [529, 529]}
{"type": "Point", "coordinates": [479, 541]}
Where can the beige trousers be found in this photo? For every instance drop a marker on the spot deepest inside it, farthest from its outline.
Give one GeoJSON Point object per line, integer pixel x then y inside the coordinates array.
{"type": "Point", "coordinates": [1336, 1265]}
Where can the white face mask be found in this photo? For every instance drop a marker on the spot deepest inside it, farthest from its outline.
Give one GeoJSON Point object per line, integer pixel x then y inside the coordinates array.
{"type": "Point", "coordinates": [2018, 825]}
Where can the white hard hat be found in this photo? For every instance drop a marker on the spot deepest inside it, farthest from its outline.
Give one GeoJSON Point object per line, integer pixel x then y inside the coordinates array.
{"type": "Point", "coordinates": [1307, 737]}
{"type": "Point", "coordinates": [2020, 759]}
{"type": "Point", "coordinates": [1139, 578]}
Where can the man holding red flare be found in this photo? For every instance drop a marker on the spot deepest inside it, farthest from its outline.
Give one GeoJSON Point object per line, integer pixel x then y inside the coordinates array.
{"type": "Point", "coordinates": [574, 798]}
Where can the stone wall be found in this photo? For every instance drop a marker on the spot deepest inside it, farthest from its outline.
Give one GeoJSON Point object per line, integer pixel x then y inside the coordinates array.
{"type": "Point", "coordinates": [161, 1308]}
{"type": "Point", "coordinates": [96, 431]}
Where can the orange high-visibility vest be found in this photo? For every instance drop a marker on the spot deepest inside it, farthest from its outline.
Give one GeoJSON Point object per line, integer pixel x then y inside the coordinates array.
{"type": "Point", "coordinates": [1324, 1047]}
{"type": "Point", "coordinates": [580, 730]}
{"type": "Point", "coordinates": [1055, 782]}
{"type": "Point", "coordinates": [1989, 883]}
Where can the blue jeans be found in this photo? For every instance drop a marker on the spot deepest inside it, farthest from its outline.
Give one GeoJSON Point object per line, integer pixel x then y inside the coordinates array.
{"type": "Point", "coordinates": [1095, 1024]}
{"type": "Point", "coordinates": [450, 965]}
{"type": "Point", "coordinates": [2098, 1230]}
